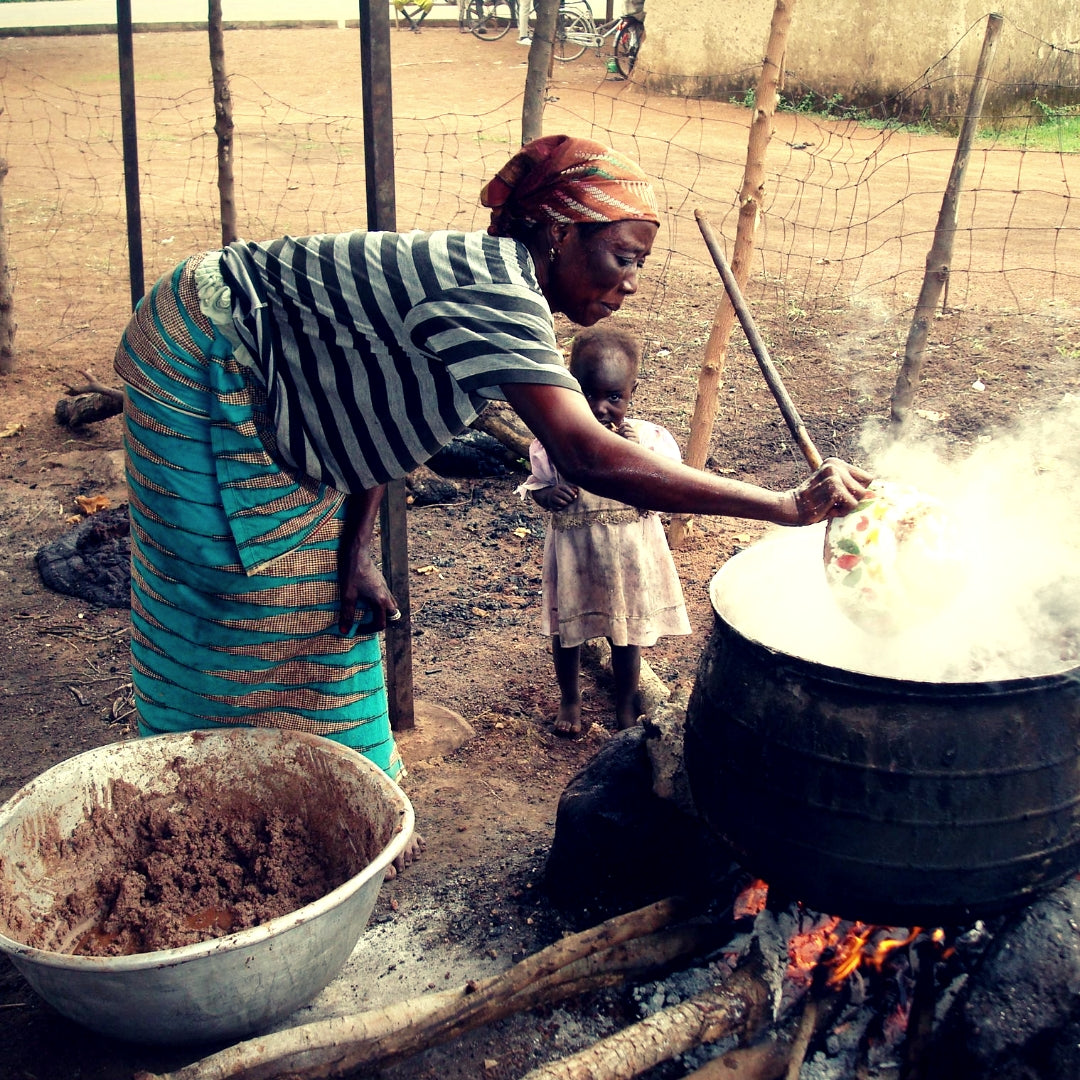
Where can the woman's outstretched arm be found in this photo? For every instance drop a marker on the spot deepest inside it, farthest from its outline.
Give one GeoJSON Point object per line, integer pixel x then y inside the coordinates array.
{"type": "Point", "coordinates": [589, 455]}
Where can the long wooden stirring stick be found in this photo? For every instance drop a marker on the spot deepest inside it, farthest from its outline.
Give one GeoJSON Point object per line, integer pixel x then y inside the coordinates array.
{"type": "Point", "coordinates": [757, 344]}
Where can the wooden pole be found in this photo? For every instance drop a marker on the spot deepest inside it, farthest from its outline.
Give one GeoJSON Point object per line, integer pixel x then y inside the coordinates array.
{"type": "Point", "coordinates": [758, 346]}
{"type": "Point", "coordinates": [541, 57]}
{"type": "Point", "coordinates": [129, 138]}
{"type": "Point", "coordinates": [751, 200]}
{"type": "Point", "coordinates": [375, 83]}
{"type": "Point", "coordinates": [223, 125]}
{"type": "Point", "coordinates": [8, 325]}
{"type": "Point", "coordinates": [940, 255]}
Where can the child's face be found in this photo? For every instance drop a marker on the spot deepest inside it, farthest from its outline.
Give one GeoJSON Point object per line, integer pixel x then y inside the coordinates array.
{"type": "Point", "coordinates": [607, 380]}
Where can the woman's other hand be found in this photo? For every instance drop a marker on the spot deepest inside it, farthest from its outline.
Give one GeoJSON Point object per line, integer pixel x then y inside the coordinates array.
{"type": "Point", "coordinates": [360, 582]}
{"type": "Point", "coordinates": [833, 490]}
{"type": "Point", "coordinates": [558, 497]}
{"type": "Point", "coordinates": [362, 586]}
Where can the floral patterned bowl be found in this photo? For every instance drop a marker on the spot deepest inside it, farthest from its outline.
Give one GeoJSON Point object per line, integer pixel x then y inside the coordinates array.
{"type": "Point", "coordinates": [894, 560]}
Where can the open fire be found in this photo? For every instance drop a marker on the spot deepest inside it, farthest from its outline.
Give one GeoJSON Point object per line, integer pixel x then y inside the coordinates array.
{"type": "Point", "coordinates": [830, 961]}
{"type": "Point", "coordinates": [860, 1001]}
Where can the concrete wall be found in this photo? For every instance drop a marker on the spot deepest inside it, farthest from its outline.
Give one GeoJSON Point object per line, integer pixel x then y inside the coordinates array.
{"type": "Point", "coordinates": [869, 52]}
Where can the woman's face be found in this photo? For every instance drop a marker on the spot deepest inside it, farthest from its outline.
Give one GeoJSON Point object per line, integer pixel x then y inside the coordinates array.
{"type": "Point", "coordinates": [594, 270]}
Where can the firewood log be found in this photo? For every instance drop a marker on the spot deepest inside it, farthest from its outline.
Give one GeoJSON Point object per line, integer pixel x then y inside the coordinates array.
{"type": "Point", "coordinates": [88, 408]}
{"type": "Point", "coordinates": [428, 488]}
{"type": "Point", "coordinates": [629, 945]}
{"type": "Point", "coordinates": [91, 402]}
{"type": "Point", "coordinates": [781, 1052]}
{"type": "Point", "coordinates": [501, 422]}
{"type": "Point", "coordinates": [739, 1006]}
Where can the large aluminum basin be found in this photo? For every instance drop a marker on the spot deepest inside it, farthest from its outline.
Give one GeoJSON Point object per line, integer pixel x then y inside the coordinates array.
{"type": "Point", "coordinates": [230, 986]}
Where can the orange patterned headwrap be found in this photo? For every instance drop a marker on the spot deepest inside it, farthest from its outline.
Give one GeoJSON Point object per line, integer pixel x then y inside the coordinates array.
{"type": "Point", "coordinates": [563, 179]}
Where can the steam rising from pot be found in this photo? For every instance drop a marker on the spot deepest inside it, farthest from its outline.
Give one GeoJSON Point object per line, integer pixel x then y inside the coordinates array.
{"type": "Point", "coordinates": [1015, 506]}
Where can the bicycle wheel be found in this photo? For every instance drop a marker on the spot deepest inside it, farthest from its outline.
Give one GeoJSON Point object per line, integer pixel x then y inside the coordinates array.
{"type": "Point", "coordinates": [627, 43]}
{"type": "Point", "coordinates": [572, 34]}
{"type": "Point", "coordinates": [489, 19]}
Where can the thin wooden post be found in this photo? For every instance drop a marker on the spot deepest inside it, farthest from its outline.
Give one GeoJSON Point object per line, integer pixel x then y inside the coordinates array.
{"type": "Point", "coordinates": [541, 57]}
{"type": "Point", "coordinates": [8, 325]}
{"type": "Point", "coordinates": [939, 258]}
{"type": "Point", "coordinates": [129, 138]}
{"type": "Point", "coordinates": [375, 82]}
{"type": "Point", "coordinates": [751, 200]}
{"type": "Point", "coordinates": [223, 126]}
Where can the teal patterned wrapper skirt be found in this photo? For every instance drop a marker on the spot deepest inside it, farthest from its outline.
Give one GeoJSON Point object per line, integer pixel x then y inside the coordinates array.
{"type": "Point", "coordinates": [234, 595]}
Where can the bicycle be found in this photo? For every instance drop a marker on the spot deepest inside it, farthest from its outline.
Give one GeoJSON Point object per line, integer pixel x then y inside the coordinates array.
{"type": "Point", "coordinates": [575, 30]}
{"type": "Point", "coordinates": [492, 19]}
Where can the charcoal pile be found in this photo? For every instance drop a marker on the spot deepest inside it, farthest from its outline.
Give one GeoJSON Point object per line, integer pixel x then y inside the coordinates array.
{"type": "Point", "coordinates": [92, 561]}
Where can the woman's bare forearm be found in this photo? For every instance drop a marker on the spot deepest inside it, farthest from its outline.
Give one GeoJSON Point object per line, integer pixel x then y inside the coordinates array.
{"type": "Point", "coordinates": [600, 461]}
{"type": "Point", "coordinates": [361, 513]}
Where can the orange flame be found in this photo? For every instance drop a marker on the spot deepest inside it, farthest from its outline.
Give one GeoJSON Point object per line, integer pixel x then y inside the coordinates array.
{"type": "Point", "coordinates": [853, 951]}
{"type": "Point", "coordinates": [858, 946]}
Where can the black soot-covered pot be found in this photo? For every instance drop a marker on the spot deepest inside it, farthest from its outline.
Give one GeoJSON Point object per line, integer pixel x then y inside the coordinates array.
{"type": "Point", "coordinates": [879, 799]}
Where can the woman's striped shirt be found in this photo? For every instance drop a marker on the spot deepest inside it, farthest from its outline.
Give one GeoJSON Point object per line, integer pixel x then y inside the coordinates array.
{"type": "Point", "coordinates": [376, 348]}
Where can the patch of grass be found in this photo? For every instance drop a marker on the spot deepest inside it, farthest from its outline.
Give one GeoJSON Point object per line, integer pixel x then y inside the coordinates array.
{"type": "Point", "coordinates": [923, 126]}
{"type": "Point", "coordinates": [832, 108]}
{"type": "Point", "coordinates": [816, 105]}
{"type": "Point", "coordinates": [1048, 127]}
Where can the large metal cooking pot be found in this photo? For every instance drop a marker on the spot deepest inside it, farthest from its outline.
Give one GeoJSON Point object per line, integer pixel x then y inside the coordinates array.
{"type": "Point", "coordinates": [876, 798]}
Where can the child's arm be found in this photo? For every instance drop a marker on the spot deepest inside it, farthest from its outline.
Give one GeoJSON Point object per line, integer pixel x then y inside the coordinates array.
{"type": "Point", "coordinates": [548, 490]}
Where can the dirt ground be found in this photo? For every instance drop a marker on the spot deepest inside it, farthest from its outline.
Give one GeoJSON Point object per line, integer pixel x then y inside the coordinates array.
{"type": "Point", "coordinates": [488, 809]}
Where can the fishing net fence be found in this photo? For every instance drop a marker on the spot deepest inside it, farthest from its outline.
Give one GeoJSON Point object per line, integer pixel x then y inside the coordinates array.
{"type": "Point", "coordinates": [848, 216]}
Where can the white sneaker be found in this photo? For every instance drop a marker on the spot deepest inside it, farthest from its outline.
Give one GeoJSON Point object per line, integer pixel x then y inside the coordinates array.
{"type": "Point", "coordinates": [524, 40]}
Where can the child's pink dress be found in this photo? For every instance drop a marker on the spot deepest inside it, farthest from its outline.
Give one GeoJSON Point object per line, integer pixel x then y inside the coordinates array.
{"type": "Point", "coordinates": [608, 570]}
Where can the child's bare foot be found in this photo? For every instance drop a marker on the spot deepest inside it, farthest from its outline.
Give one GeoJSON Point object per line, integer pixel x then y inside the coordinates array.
{"type": "Point", "coordinates": [627, 720]}
{"type": "Point", "coordinates": [411, 853]}
{"type": "Point", "coordinates": [568, 722]}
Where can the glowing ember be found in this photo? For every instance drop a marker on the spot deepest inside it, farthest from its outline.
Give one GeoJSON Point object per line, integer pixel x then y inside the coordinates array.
{"type": "Point", "coordinates": [806, 949]}
{"type": "Point", "coordinates": [751, 901]}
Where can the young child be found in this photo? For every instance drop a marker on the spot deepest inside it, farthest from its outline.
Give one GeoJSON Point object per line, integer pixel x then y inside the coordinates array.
{"type": "Point", "coordinates": [608, 571]}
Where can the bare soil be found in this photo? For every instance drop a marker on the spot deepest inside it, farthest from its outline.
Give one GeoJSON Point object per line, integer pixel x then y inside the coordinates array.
{"type": "Point", "coordinates": [488, 809]}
